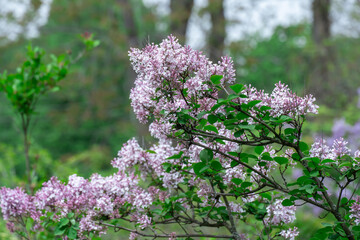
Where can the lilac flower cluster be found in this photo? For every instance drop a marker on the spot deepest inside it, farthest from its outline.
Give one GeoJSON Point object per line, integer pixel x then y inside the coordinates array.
{"type": "Point", "coordinates": [104, 196]}
{"type": "Point", "coordinates": [282, 101]}
{"type": "Point", "coordinates": [15, 202]}
{"type": "Point", "coordinates": [91, 199]}
{"type": "Point", "coordinates": [290, 234]}
{"type": "Point", "coordinates": [355, 210]}
{"type": "Point", "coordinates": [171, 77]}
{"type": "Point", "coordinates": [279, 214]}
{"type": "Point", "coordinates": [345, 130]}
{"type": "Point", "coordinates": [338, 149]}
{"type": "Point", "coordinates": [161, 74]}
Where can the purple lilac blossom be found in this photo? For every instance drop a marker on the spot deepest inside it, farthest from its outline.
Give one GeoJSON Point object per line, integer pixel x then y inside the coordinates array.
{"type": "Point", "coordinates": [166, 70]}
{"type": "Point", "coordinates": [290, 234]}
{"type": "Point", "coordinates": [278, 214]}
{"type": "Point", "coordinates": [355, 210]}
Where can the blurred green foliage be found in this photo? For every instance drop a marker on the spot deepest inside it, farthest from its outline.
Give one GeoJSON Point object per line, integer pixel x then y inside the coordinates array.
{"type": "Point", "coordinates": [289, 55]}
{"type": "Point", "coordinates": [93, 106]}
{"type": "Point", "coordinates": [33, 79]}
{"type": "Point", "coordinates": [282, 57]}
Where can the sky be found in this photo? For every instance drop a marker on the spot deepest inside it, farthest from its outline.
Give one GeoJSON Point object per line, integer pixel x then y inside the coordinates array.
{"type": "Point", "coordinates": [18, 10]}
{"type": "Point", "coordinates": [245, 17]}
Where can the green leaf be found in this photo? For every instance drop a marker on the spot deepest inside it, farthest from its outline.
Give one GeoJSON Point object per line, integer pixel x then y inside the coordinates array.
{"type": "Point", "coordinates": [59, 231]}
{"type": "Point", "coordinates": [308, 188]}
{"type": "Point", "coordinates": [235, 154]}
{"type": "Point", "coordinates": [216, 106]}
{"type": "Point", "coordinates": [285, 118]}
{"type": "Point", "coordinates": [55, 89]}
{"type": "Point", "coordinates": [259, 149]}
{"type": "Point", "coordinates": [239, 133]}
{"type": "Point", "coordinates": [215, 79]}
{"type": "Point", "coordinates": [241, 116]}
{"type": "Point", "coordinates": [232, 96]}
{"type": "Point", "coordinates": [303, 146]}
{"type": "Point", "coordinates": [344, 200]}
{"type": "Point", "coordinates": [200, 168]}
{"type": "Point", "coordinates": [314, 173]}
{"type": "Point", "coordinates": [156, 211]}
{"type": "Point", "coordinates": [262, 164]}
{"type": "Point", "coordinates": [345, 164]}
{"type": "Point", "coordinates": [206, 155]}
{"type": "Point", "coordinates": [220, 141]}
{"type": "Point", "coordinates": [295, 156]}
{"type": "Point", "coordinates": [202, 123]}
{"type": "Point", "coordinates": [176, 156]}
{"type": "Point", "coordinates": [201, 114]}
{"type": "Point", "coordinates": [266, 195]}
{"type": "Point", "coordinates": [230, 122]}
{"type": "Point", "coordinates": [23, 234]}
{"type": "Point", "coordinates": [246, 184]}
{"type": "Point", "coordinates": [237, 181]}
{"type": "Point", "coordinates": [265, 108]}
{"type": "Point", "coordinates": [167, 166]}
{"type": "Point", "coordinates": [216, 165]}
{"type": "Point", "coordinates": [29, 223]}
{"type": "Point", "coordinates": [322, 233]}
{"type": "Point", "coordinates": [234, 163]}
{"type": "Point", "coordinates": [253, 103]}
{"type": "Point", "coordinates": [304, 180]}
{"type": "Point", "coordinates": [179, 133]}
{"type": "Point", "coordinates": [356, 228]}
{"type": "Point", "coordinates": [237, 88]}
{"type": "Point", "coordinates": [63, 222]}
{"type": "Point", "coordinates": [96, 43]}
{"type": "Point", "coordinates": [287, 202]}
{"type": "Point", "coordinates": [289, 131]}
{"type": "Point", "coordinates": [72, 221]}
{"type": "Point", "coordinates": [72, 234]}
{"type": "Point", "coordinates": [246, 127]}
{"type": "Point", "coordinates": [327, 161]}
{"type": "Point", "coordinates": [281, 160]}
{"type": "Point", "coordinates": [266, 156]}
{"type": "Point", "coordinates": [212, 119]}
{"type": "Point", "coordinates": [211, 128]}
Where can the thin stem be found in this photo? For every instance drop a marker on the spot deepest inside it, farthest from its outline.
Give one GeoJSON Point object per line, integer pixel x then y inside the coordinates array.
{"type": "Point", "coordinates": [231, 218]}
{"type": "Point", "coordinates": [25, 128]}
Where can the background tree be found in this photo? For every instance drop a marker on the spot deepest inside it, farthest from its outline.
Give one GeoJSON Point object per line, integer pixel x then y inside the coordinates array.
{"type": "Point", "coordinates": [179, 17]}
{"type": "Point", "coordinates": [321, 82]}
{"type": "Point", "coordinates": [217, 34]}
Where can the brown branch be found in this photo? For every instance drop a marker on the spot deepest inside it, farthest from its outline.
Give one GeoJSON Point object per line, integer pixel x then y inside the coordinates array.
{"type": "Point", "coordinates": [154, 235]}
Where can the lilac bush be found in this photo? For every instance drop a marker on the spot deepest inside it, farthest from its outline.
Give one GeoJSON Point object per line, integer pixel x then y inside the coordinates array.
{"type": "Point", "coordinates": [223, 159]}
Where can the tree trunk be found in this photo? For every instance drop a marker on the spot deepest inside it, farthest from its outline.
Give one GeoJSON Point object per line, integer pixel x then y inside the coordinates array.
{"type": "Point", "coordinates": [320, 80]}
{"type": "Point", "coordinates": [217, 33]}
{"type": "Point", "coordinates": [179, 18]}
{"type": "Point", "coordinates": [321, 21]}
